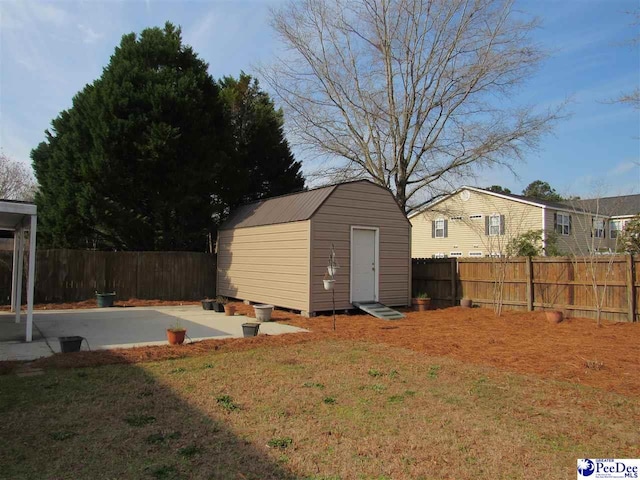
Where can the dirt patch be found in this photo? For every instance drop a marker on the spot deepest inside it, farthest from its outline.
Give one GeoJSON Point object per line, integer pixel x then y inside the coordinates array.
{"type": "Point", "coordinates": [523, 342]}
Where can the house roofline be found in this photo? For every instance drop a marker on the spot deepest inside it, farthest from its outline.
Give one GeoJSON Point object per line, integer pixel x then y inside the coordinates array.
{"type": "Point", "coordinates": [504, 197]}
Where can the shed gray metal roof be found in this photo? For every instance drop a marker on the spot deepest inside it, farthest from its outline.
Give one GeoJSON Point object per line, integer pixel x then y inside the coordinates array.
{"type": "Point", "coordinates": [294, 207]}
{"type": "Point", "coordinates": [610, 206]}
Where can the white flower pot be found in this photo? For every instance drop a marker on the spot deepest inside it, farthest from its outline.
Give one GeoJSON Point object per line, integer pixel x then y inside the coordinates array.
{"type": "Point", "coordinates": [263, 312]}
{"type": "Point", "coordinates": [328, 284]}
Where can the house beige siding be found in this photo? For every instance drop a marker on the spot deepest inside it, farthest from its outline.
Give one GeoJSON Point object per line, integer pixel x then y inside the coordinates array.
{"type": "Point", "coordinates": [266, 264]}
{"type": "Point", "coordinates": [580, 241]}
{"type": "Point", "coordinates": [466, 234]}
{"type": "Point", "coordinates": [367, 205]}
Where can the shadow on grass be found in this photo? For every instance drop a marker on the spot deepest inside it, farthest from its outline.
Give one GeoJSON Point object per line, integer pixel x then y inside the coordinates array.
{"type": "Point", "coordinates": [125, 421]}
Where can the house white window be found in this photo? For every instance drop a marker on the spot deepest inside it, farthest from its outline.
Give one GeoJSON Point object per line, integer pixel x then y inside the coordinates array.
{"type": "Point", "coordinates": [475, 254]}
{"type": "Point", "coordinates": [455, 218]}
{"type": "Point", "coordinates": [438, 255]}
{"type": "Point", "coordinates": [563, 224]}
{"type": "Point", "coordinates": [615, 227]}
{"type": "Point", "coordinates": [494, 225]}
{"type": "Point", "coordinates": [597, 227]}
{"type": "Point", "coordinates": [475, 217]}
{"type": "Point", "coordinates": [439, 228]}
{"type": "Point", "coordinates": [455, 254]}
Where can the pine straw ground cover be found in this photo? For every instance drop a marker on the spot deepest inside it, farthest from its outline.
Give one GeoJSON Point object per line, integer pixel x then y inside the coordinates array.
{"type": "Point", "coordinates": [576, 350]}
{"type": "Point", "coordinates": [325, 409]}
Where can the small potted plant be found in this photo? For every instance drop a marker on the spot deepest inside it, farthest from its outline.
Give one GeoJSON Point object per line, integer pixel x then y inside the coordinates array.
{"type": "Point", "coordinates": [219, 303]}
{"type": "Point", "coordinates": [175, 334]}
{"type": "Point", "coordinates": [332, 268]}
{"type": "Point", "coordinates": [207, 304]}
{"type": "Point", "coordinates": [466, 302]}
{"type": "Point", "coordinates": [229, 310]}
{"type": "Point", "coordinates": [328, 282]}
{"type": "Point", "coordinates": [105, 299]}
{"type": "Point", "coordinates": [421, 302]}
{"type": "Point", "coordinates": [554, 316]}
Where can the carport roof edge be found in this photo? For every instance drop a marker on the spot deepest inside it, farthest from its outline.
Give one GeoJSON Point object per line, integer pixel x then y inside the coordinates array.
{"type": "Point", "coordinates": [13, 213]}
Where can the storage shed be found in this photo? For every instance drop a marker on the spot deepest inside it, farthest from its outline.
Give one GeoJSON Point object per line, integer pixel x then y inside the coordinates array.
{"type": "Point", "coordinates": [277, 250]}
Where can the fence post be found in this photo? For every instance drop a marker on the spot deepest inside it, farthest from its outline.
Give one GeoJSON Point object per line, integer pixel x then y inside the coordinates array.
{"type": "Point", "coordinates": [454, 280]}
{"type": "Point", "coordinates": [529, 274]}
{"type": "Point", "coordinates": [631, 294]}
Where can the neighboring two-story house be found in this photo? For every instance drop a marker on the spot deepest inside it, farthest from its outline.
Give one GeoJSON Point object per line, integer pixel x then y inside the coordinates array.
{"type": "Point", "coordinates": [472, 222]}
{"type": "Point", "coordinates": [618, 210]}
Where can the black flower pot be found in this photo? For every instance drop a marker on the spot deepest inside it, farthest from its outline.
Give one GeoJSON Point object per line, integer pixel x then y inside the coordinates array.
{"type": "Point", "coordinates": [207, 304]}
{"type": "Point", "coordinates": [105, 299]}
{"type": "Point", "coordinates": [250, 329]}
{"type": "Point", "coordinates": [70, 344]}
{"type": "Point", "coordinates": [218, 307]}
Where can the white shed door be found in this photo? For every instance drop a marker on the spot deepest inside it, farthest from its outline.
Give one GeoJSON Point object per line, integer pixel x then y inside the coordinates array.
{"type": "Point", "coordinates": [364, 270]}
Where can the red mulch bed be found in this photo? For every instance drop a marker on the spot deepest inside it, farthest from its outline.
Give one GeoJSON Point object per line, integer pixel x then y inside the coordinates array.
{"type": "Point", "coordinates": [576, 350]}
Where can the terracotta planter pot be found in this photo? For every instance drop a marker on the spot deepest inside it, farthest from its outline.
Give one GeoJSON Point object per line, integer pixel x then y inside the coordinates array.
{"type": "Point", "coordinates": [466, 302]}
{"type": "Point", "coordinates": [553, 316]}
{"type": "Point", "coordinates": [421, 304]}
{"type": "Point", "coordinates": [175, 336]}
{"type": "Point", "coordinates": [229, 310]}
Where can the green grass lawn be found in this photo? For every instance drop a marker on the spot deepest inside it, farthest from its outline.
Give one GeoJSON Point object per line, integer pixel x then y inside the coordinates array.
{"type": "Point", "coordinates": [322, 410]}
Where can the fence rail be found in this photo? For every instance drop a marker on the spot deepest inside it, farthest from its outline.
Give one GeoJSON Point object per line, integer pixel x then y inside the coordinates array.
{"type": "Point", "coordinates": [529, 283]}
{"type": "Point", "coordinates": [537, 283]}
{"type": "Point", "coordinates": [72, 275]}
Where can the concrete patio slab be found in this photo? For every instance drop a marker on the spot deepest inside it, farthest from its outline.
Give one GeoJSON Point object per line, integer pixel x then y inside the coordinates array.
{"type": "Point", "coordinates": [107, 328]}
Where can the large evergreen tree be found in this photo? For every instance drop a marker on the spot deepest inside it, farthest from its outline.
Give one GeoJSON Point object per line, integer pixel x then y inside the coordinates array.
{"type": "Point", "coordinates": [542, 191]}
{"type": "Point", "coordinates": [143, 159]}
{"type": "Point", "coordinates": [263, 165]}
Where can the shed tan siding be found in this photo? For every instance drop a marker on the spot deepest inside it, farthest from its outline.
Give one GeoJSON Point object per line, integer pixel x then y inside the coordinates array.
{"type": "Point", "coordinates": [266, 264]}
{"type": "Point", "coordinates": [467, 234]}
{"type": "Point", "coordinates": [366, 205]}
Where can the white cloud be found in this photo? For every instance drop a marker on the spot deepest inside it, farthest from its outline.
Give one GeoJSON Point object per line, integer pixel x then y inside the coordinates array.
{"type": "Point", "coordinates": [90, 35]}
{"type": "Point", "coordinates": [48, 13]}
{"type": "Point", "coordinates": [624, 167]}
{"type": "Point", "coordinates": [197, 34]}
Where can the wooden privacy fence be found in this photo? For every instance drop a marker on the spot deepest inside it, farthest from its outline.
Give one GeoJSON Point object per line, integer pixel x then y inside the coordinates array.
{"type": "Point", "coordinates": [73, 275]}
{"type": "Point", "coordinates": [538, 283]}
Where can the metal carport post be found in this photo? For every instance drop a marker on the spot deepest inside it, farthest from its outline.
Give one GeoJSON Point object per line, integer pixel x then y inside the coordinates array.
{"type": "Point", "coordinates": [19, 217]}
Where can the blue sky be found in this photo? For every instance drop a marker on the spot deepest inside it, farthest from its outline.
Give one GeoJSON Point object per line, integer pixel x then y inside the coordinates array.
{"type": "Point", "coordinates": [50, 50]}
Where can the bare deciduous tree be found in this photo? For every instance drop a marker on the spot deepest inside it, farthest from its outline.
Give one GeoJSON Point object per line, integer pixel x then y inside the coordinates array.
{"type": "Point", "coordinates": [631, 98]}
{"type": "Point", "coordinates": [591, 251]}
{"type": "Point", "coordinates": [410, 93]}
{"type": "Point", "coordinates": [16, 181]}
